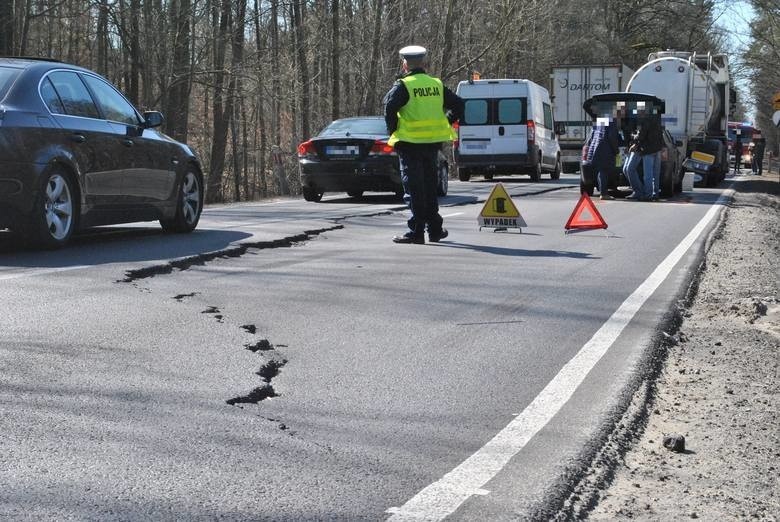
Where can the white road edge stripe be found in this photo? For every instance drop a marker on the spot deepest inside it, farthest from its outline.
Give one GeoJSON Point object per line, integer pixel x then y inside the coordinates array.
{"type": "Point", "coordinates": [443, 497]}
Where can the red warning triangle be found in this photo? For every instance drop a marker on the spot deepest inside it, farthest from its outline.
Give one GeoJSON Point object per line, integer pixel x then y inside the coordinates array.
{"type": "Point", "coordinates": [585, 215]}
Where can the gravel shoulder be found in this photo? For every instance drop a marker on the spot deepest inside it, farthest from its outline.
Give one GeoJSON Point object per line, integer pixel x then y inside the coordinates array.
{"type": "Point", "coordinates": [718, 387]}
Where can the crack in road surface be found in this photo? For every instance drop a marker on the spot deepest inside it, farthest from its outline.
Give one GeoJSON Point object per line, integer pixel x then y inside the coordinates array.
{"type": "Point", "coordinates": [267, 372]}
{"type": "Point", "coordinates": [239, 250]}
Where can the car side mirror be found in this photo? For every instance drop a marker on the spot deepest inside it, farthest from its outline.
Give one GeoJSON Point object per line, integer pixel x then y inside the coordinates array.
{"type": "Point", "coordinates": [153, 119]}
{"type": "Point", "coordinates": [560, 128]}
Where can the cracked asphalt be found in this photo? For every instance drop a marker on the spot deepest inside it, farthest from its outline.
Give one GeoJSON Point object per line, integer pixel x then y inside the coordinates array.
{"type": "Point", "coordinates": [288, 362]}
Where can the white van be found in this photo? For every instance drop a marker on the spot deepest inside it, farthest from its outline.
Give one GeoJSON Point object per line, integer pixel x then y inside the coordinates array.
{"type": "Point", "coordinates": [507, 128]}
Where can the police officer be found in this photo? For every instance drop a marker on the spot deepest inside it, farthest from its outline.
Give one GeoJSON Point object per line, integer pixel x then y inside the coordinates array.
{"type": "Point", "coordinates": [419, 111]}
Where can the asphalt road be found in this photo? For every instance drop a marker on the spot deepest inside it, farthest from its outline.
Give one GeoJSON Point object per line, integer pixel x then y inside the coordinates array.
{"type": "Point", "coordinates": [287, 361]}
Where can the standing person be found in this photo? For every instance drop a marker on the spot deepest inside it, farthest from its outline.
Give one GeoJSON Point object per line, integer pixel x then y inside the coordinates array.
{"type": "Point", "coordinates": [650, 141]}
{"type": "Point", "coordinates": [759, 147]}
{"type": "Point", "coordinates": [603, 147]}
{"type": "Point", "coordinates": [419, 112]}
{"type": "Point", "coordinates": [737, 154]}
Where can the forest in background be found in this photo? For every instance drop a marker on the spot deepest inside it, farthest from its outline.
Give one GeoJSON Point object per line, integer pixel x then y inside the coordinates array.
{"type": "Point", "coordinates": [244, 81]}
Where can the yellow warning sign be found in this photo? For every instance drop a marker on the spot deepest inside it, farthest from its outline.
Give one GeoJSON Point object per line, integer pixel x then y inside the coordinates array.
{"type": "Point", "coordinates": [499, 211]}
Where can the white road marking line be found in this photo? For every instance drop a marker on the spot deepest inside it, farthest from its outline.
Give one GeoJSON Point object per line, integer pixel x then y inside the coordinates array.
{"type": "Point", "coordinates": [443, 497]}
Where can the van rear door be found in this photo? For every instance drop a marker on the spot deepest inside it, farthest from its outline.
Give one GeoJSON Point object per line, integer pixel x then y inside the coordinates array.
{"type": "Point", "coordinates": [476, 130]}
{"type": "Point", "coordinates": [494, 128]}
{"type": "Point", "coordinates": [510, 132]}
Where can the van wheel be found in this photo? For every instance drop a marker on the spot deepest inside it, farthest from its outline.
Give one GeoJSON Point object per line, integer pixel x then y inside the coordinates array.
{"type": "Point", "coordinates": [536, 174]}
{"type": "Point", "coordinates": [556, 173]}
{"type": "Point", "coordinates": [463, 174]}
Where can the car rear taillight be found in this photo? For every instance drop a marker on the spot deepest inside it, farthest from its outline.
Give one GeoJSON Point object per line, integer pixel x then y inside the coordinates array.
{"type": "Point", "coordinates": [531, 132]}
{"type": "Point", "coordinates": [381, 148]}
{"type": "Point", "coordinates": [306, 149]}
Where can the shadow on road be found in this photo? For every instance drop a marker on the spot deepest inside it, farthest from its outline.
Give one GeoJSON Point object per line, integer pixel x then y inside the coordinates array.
{"type": "Point", "coordinates": [517, 252]}
{"type": "Point", "coordinates": [100, 246]}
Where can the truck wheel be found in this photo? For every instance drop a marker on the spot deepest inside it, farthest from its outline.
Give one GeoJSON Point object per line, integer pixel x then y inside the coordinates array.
{"type": "Point", "coordinates": [556, 173]}
{"type": "Point", "coordinates": [463, 174]}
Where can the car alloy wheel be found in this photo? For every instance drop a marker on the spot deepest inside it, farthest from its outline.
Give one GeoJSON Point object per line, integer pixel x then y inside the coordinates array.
{"type": "Point", "coordinates": [189, 205]}
{"type": "Point", "coordinates": [190, 202]}
{"type": "Point", "coordinates": [58, 208]}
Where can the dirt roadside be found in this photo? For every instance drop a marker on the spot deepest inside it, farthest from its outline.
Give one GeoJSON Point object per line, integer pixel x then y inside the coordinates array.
{"type": "Point", "coordinates": [719, 387]}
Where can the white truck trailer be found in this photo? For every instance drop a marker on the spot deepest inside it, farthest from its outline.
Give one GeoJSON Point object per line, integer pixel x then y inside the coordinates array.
{"type": "Point", "coordinates": [698, 95]}
{"type": "Point", "coordinates": [570, 86]}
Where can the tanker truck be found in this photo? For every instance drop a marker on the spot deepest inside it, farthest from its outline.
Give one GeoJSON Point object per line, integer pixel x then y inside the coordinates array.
{"type": "Point", "coordinates": [697, 92]}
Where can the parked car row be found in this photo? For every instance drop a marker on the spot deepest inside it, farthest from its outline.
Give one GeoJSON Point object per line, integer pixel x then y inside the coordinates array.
{"type": "Point", "coordinates": [75, 153]}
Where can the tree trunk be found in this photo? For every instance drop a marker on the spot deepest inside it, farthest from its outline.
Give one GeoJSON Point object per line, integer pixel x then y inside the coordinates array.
{"type": "Point", "coordinates": [303, 69]}
{"type": "Point", "coordinates": [180, 86]}
{"type": "Point", "coordinates": [221, 21]}
{"type": "Point", "coordinates": [370, 105]}
{"type": "Point", "coordinates": [335, 58]}
{"type": "Point", "coordinates": [7, 26]}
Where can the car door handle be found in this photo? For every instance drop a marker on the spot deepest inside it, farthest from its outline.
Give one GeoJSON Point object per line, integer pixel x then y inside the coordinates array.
{"type": "Point", "coordinates": [78, 138]}
{"type": "Point", "coordinates": [501, 131]}
{"type": "Point", "coordinates": [128, 143]}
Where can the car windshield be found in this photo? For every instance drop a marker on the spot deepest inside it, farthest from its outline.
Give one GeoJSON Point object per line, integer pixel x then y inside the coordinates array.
{"type": "Point", "coordinates": [373, 126]}
{"type": "Point", "coordinates": [7, 77]}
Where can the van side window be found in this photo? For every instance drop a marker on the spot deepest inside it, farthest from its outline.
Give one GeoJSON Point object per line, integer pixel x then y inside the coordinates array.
{"type": "Point", "coordinates": [548, 119]}
{"type": "Point", "coordinates": [511, 111]}
{"type": "Point", "coordinates": [476, 112]}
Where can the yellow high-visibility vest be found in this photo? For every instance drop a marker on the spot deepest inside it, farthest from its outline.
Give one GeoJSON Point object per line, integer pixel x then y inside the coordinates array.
{"type": "Point", "coordinates": [422, 119]}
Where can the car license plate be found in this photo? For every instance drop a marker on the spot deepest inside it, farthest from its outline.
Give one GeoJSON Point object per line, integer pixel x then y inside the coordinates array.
{"type": "Point", "coordinates": [342, 151]}
{"type": "Point", "coordinates": [475, 146]}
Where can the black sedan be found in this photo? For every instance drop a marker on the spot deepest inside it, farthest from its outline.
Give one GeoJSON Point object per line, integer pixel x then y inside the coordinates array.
{"type": "Point", "coordinates": [75, 153]}
{"type": "Point", "coordinates": [352, 155]}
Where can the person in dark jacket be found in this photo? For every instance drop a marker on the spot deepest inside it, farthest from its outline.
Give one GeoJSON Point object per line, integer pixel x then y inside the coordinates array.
{"type": "Point", "coordinates": [759, 147]}
{"type": "Point", "coordinates": [603, 148]}
{"type": "Point", "coordinates": [737, 150]}
{"type": "Point", "coordinates": [419, 112]}
{"type": "Point", "coordinates": [650, 141]}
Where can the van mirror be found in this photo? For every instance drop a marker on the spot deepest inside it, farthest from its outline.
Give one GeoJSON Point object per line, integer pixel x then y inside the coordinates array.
{"type": "Point", "coordinates": [560, 128]}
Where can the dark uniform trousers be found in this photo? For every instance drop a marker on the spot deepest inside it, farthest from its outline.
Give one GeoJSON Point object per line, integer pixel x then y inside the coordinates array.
{"type": "Point", "coordinates": [419, 176]}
